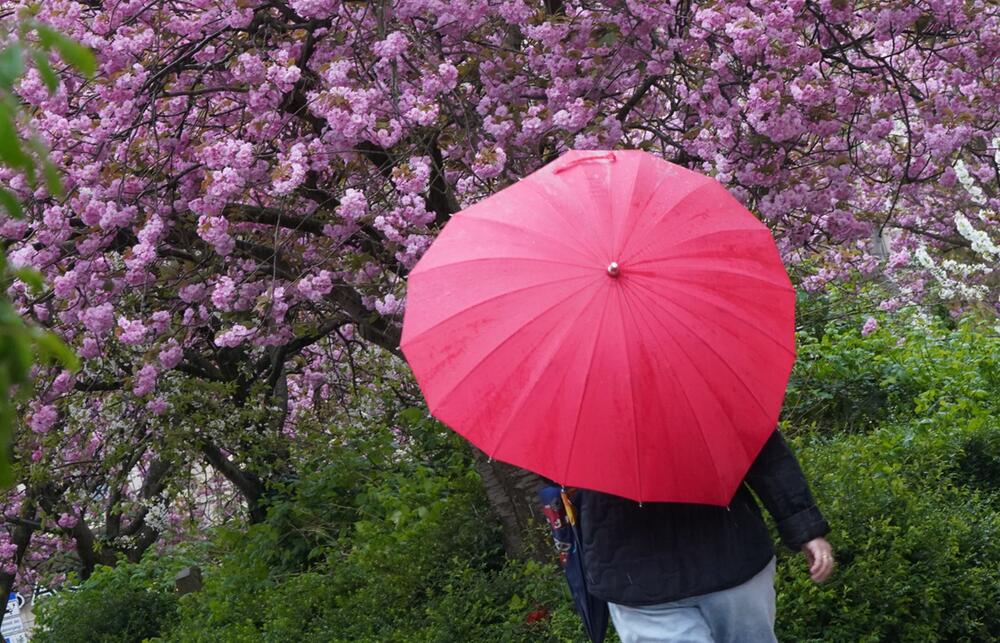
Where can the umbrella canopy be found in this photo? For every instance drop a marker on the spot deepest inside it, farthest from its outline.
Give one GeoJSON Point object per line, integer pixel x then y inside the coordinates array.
{"type": "Point", "coordinates": [613, 322]}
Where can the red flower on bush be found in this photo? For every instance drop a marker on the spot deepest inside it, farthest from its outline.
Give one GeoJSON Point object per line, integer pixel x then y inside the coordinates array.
{"type": "Point", "coordinates": [539, 614]}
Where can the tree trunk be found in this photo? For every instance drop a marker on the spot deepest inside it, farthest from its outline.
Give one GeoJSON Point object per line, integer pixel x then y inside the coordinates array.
{"type": "Point", "coordinates": [512, 494]}
{"type": "Point", "coordinates": [247, 483]}
{"type": "Point", "coordinates": [20, 536]}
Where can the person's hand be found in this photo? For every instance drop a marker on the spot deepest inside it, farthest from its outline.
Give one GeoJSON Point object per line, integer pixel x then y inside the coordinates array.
{"type": "Point", "coordinates": [819, 553]}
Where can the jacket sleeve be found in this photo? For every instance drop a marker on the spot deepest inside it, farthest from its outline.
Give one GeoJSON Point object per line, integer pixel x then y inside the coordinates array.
{"type": "Point", "coordinates": [777, 479]}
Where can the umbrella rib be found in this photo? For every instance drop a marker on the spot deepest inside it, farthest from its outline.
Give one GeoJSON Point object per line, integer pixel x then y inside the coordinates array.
{"type": "Point", "coordinates": [592, 215]}
{"type": "Point", "coordinates": [687, 400]}
{"type": "Point", "coordinates": [700, 237]}
{"type": "Point", "coordinates": [514, 226]}
{"type": "Point", "coordinates": [639, 212]}
{"type": "Point", "coordinates": [594, 253]}
{"type": "Point", "coordinates": [631, 385]}
{"type": "Point", "coordinates": [711, 348]}
{"type": "Point", "coordinates": [503, 342]}
{"type": "Point", "coordinates": [713, 393]}
{"type": "Point", "coordinates": [718, 271]}
{"type": "Point", "coordinates": [583, 393]}
{"type": "Point", "coordinates": [530, 389]}
{"type": "Point", "coordinates": [620, 216]}
{"type": "Point", "coordinates": [461, 262]}
{"type": "Point", "coordinates": [493, 298]}
{"type": "Point", "coordinates": [748, 322]}
{"type": "Point", "coordinates": [709, 183]}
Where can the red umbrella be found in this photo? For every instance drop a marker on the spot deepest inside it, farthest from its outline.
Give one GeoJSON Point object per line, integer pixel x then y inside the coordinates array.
{"type": "Point", "coordinates": [612, 322]}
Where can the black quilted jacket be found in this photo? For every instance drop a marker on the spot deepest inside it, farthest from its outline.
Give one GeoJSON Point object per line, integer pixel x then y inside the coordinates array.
{"type": "Point", "coordinates": [660, 552]}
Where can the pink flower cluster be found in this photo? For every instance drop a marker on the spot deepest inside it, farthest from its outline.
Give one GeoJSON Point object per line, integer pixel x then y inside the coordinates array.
{"type": "Point", "coordinates": [215, 230]}
{"type": "Point", "coordinates": [315, 287]}
{"type": "Point", "coordinates": [234, 336]}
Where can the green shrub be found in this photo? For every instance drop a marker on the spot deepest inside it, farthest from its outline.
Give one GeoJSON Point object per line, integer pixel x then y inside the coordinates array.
{"type": "Point", "coordinates": [899, 433]}
{"type": "Point", "coordinates": [979, 464]}
{"type": "Point", "coordinates": [918, 554]}
{"type": "Point", "coordinates": [366, 549]}
{"type": "Point", "coordinates": [911, 367]}
{"type": "Point", "coordinates": [371, 546]}
{"type": "Point", "coordinates": [413, 556]}
{"type": "Point", "coordinates": [124, 604]}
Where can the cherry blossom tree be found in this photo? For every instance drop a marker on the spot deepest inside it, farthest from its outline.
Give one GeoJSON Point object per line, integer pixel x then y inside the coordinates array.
{"type": "Point", "coordinates": [249, 181]}
{"type": "Point", "coordinates": [21, 343]}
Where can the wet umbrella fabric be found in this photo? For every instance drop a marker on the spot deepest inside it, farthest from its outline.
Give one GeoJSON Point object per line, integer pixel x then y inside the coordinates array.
{"type": "Point", "coordinates": [612, 322]}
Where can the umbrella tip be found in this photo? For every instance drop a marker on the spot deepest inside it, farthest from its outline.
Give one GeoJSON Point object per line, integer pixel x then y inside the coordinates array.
{"type": "Point", "coordinates": [613, 269]}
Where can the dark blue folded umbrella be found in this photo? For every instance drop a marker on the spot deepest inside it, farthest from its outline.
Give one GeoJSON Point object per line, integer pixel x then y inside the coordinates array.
{"type": "Point", "coordinates": [592, 610]}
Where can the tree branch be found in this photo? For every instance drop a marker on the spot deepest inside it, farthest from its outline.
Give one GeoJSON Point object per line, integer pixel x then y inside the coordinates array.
{"type": "Point", "coordinates": [250, 486]}
{"type": "Point", "coordinates": [20, 536]}
{"type": "Point", "coordinates": [272, 216]}
{"type": "Point", "coordinates": [371, 326]}
{"type": "Point", "coordinates": [637, 95]}
{"type": "Point", "coordinates": [440, 200]}
{"type": "Point", "coordinates": [90, 386]}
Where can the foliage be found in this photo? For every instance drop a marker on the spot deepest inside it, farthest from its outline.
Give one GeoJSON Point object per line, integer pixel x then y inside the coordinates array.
{"type": "Point", "coordinates": [917, 551]}
{"type": "Point", "coordinates": [979, 464]}
{"type": "Point", "coordinates": [912, 366]}
{"type": "Point", "coordinates": [410, 555]}
{"type": "Point", "coordinates": [897, 429]}
{"type": "Point", "coordinates": [366, 549]}
{"type": "Point", "coordinates": [127, 603]}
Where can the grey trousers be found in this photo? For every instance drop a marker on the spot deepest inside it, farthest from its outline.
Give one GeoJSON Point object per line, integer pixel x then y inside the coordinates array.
{"type": "Point", "coordinates": [741, 614]}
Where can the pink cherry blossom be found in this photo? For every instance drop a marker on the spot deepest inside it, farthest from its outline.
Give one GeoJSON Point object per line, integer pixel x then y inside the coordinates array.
{"type": "Point", "coordinates": [234, 336]}
{"type": "Point", "coordinates": [43, 418]}
{"type": "Point", "coordinates": [145, 380]}
{"type": "Point", "coordinates": [99, 319]}
{"type": "Point", "coordinates": [132, 331]}
{"type": "Point", "coordinates": [871, 324]}
{"type": "Point", "coordinates": [171, 356]}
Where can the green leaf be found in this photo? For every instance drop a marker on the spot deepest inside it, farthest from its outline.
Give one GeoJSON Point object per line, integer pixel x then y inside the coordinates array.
{"type": "Point", "coordinates": [11, 65]}
{"type": "Point", "coordinates": [8, 315]}
{"type": "Point", "coordinates": [609, 38]}
{"type": "Point", "coordinates": [69, 50]}
{"type": "Point", "coordinates": [15, 357]}
{"type": "Point", "coordinates": [45, 70]}
{"type": "Point", "coordinates": [10, 144]}
{"type": "Point", "coordinates": [50, 346]}
{"type": "Point", "coordinates": [51, 175]}
{"type": "Point", "coordinates": [46, 35]}
{"type": "Point", "coordinates": [412, 415]}
{"type": "Point", "coordinates": [6, 428]}
{"type": "Point", "coordinates": [31, 277]}
{"type": "Point", "coordinates": [11, 204]}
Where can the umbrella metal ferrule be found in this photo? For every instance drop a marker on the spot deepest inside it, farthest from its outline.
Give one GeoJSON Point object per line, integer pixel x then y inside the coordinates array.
{"type": "Point", "coordinates": [613, 269]}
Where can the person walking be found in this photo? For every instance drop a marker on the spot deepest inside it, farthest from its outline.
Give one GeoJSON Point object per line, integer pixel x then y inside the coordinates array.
{"type": "Point", "coordinates": [619, 323]}
{"type": "Point", "coordinates": [674, 572]}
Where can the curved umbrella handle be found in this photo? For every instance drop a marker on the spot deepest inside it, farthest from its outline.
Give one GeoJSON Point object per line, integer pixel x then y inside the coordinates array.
{"type": "Point", "coordinates": [609, 157]}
